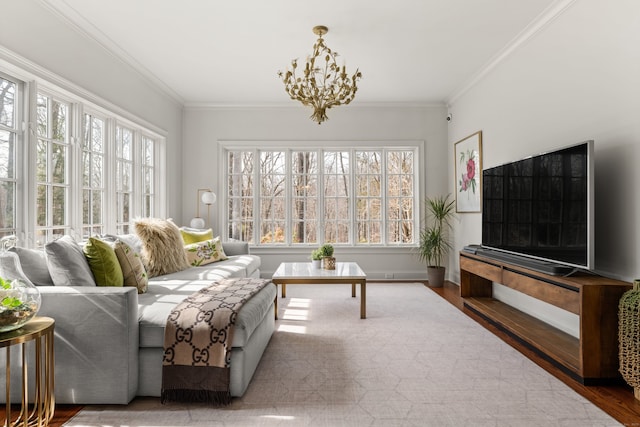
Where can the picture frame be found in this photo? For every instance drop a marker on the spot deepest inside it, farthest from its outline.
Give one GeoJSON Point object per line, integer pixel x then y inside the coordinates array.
{"type": "Point", "coordinates": [468, 173]}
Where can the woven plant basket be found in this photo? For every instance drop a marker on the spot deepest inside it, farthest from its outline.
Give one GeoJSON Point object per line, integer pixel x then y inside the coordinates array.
{"type": "Point", "coordinates": [629, 337]}
{"type": "Point", "coordinates": [329, 263]}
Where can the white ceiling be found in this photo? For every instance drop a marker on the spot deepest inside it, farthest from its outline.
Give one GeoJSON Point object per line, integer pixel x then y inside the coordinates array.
{"type": "Point", "coordinates": [226, 53]}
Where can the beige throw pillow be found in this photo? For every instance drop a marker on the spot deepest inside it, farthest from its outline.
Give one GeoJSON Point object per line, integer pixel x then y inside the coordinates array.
{"type": "Point", "coordinates": [206, 252]}
{"type": "Point", "coordinates": [162, 246]}
{"type": "Point", "coordinates": [133, 271]}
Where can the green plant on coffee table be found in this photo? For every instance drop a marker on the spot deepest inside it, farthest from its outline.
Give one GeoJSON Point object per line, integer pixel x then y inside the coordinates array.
{"type": "Point", "coordinates": [326, 250]}
{"type": "Point", "coordinates": [316, 254]}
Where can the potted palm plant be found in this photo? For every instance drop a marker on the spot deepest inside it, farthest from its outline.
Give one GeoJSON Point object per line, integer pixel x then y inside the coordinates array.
{"type": "Point", "coordinates": [434, 242]}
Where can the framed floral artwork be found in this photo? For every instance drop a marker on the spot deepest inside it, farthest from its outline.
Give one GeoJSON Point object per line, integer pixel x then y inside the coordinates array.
{"type": "Point", "coordinates": [468, 173]}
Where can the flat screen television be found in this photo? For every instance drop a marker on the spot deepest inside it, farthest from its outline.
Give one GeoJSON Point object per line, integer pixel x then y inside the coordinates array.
{"type": "Point", "coordinates": [541, 207]}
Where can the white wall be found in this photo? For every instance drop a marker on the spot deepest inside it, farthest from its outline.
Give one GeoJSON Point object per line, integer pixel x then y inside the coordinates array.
{"type": "Point", "coordinates": [576, 79]}
{"type": "Point", "coordinates": [34, 33]}
{"type": "Point", "coordinates": [204, 127]}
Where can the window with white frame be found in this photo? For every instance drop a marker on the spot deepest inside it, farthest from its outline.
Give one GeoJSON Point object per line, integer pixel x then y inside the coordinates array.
{"type": "Point", "coordinates": [324, 195]}
{"type": "Point", "coordinates": [52, 168]}
{"type": "Point", "coordinates": [124, 177]}
{"type": "Point", "coordinates": [148, 174]}
{"type": "Point", "coordinates": [63, 184]}
{"type": "Point", "coordinates": [93, 179]}
{"type": "Point", "coordinates": [9, 120]}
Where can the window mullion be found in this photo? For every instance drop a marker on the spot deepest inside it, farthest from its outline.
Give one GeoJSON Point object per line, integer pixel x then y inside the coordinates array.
{"type": "Point", "coordinates": [384, 180]}
{"type": "Point", "coordinates": [257, 186]}
{"type": "Point", "coordinates": [288, 198]}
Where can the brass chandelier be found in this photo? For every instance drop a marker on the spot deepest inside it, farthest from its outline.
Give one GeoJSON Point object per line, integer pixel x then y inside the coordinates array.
{"type": "Point", "coordinates": [324, 84]}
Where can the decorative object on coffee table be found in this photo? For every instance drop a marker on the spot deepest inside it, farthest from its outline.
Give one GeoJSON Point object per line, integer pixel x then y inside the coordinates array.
{"type": "Point", "coordinates": [629, 337]}
{"type": "Point", "coordinates": [434, 238]}
{"type": "Point", "coordinates": [328, 260]}
{"type": "Point", "coordinates": [316, 258]}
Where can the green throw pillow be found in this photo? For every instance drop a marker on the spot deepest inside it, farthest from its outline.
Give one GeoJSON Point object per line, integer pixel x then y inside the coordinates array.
{"type": "Point", "coordinates": [103, 263]}
{"type": "Point", "coordinates": [191, 235]}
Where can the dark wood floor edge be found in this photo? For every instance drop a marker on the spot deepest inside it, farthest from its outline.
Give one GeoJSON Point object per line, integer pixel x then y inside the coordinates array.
{"type": "Point", "coordinates": [617, 400]}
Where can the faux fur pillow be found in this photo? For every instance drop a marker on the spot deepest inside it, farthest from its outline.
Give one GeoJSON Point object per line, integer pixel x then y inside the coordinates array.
{"type": "Point", "coordinates": [162, 246]}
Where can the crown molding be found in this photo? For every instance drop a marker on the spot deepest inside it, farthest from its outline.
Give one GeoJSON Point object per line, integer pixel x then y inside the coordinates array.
{"type": "Point", "coordinates": [545, 18]}
{"type": "Point", "coordinates": [292, 106]}
{"type": "Point", "coordinates": [26, 70]}
{"type": "Point", "coordinates": [90, 32]}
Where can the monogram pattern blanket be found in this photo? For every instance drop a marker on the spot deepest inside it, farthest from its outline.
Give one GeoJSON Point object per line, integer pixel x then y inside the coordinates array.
{"type": "Point", "coordinates": [198, 339]}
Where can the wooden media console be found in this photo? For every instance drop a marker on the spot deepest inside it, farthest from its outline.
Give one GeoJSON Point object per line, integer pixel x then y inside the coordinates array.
{"type": "Point", "coordinates": [593, 357]}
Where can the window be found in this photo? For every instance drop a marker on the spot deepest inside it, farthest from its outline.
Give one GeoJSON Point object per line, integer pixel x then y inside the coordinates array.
{"type": "Point", "coordinates": [124, 177]}
{"type": "Point", "coordinates": [309, 196]}
{"type": "Point", "coordinates": [81, 157]}
{"type": "Point", "coordinates": [9, 110]}
{"type": "Point", "coordinates": [93, 153]}
{"type": "Point", "coordinates": [148, 172]}
{"type": "Point", "coordinates": [52, 169]}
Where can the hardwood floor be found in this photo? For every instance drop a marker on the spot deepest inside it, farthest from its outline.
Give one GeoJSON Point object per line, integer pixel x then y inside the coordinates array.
{"type": "Point", "coordinates": [616, 400]}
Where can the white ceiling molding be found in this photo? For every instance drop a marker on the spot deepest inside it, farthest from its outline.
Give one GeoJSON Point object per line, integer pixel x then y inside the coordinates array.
{"type": "Point", "coordinates": [537, 25]}
{"type": "Point", "coordinates": [289, 106]}
{"type": "Point", "coordinates": [77, 22]}
{"type": "Point", "coordinates": [26, 70]}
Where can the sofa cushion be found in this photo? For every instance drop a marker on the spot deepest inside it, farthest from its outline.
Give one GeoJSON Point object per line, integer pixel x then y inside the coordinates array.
{"type": "Point", "coordinates": [34, 264]}
{"type": "Point", "coordinates": [205, 252]}
{"type": "Point", "coordinates": [162, 246]}
{"type": "Point", "coordinates": [133, 271]}
{"type": "Point", "coordinates": [103, 263]}
{"type": "Point", "coordinates": [154, 308]}
{"type": "Point", "coordinates": [67, 264]}
{"type": "Point", "coordinates": [10, 268]}
{"type": "Point", "coordinates": [194, 235]}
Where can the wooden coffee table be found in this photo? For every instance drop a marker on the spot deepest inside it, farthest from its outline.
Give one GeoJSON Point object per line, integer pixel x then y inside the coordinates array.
{"type": "Point", "coordinates": [301, 273]}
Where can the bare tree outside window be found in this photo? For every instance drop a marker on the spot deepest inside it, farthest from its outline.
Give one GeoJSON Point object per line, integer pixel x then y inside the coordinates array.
{"type": "Point", "coordinates": [306, 197]}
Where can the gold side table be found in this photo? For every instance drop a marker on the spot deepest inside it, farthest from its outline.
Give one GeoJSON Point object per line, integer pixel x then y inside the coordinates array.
{"type": "Point", "coordinates": [40, 330]}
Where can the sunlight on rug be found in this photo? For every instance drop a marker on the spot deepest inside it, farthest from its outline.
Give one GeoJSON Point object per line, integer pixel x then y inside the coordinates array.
{"type": "Point", "coordinates": [415, 361]}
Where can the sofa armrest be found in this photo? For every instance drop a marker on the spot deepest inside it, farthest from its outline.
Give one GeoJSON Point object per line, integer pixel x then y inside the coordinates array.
{"type": "Point", "coordinates": [96, 342]}
{"type": "Point", "coordinates": [235, 248]}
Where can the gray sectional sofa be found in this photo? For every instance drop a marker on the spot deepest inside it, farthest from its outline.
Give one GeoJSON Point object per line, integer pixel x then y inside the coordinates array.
{"type": "Point", "coordinates": [109, 340]}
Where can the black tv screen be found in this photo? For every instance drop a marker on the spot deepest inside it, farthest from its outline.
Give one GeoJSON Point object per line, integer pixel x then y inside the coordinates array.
{"type": "Point", "coordinates": [542, 206]}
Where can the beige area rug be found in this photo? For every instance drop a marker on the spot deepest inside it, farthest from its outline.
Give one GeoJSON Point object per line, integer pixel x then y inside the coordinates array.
{"type": "Point", "coordinates": [415, 361]}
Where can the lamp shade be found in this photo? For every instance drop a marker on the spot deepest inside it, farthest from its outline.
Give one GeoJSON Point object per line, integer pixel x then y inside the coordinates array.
{"type": "Point", "coordinates": [197, 222]}
{"type": "Point", "coordinates": [208, 198]}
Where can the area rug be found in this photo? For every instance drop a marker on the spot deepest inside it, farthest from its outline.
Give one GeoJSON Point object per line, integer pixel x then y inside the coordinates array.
{"type": "Point", "coordinates": [415, 361]}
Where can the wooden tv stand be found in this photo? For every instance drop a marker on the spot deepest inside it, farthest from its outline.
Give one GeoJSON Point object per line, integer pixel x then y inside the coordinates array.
{"type": "Point", "coordinates": [591, 359]}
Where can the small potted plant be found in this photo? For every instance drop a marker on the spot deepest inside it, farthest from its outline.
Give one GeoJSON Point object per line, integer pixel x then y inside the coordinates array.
{"type": "Point", "coordinates": [434, 242]}
{"type": "Point", "coordinates": [316, 258]}
{"type": "Point", "coordinates": [328, 261]}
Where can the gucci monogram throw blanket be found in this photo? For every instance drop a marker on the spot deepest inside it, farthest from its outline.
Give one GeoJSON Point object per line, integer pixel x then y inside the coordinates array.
{"type": "Point", "coordinates": [198, 339]}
